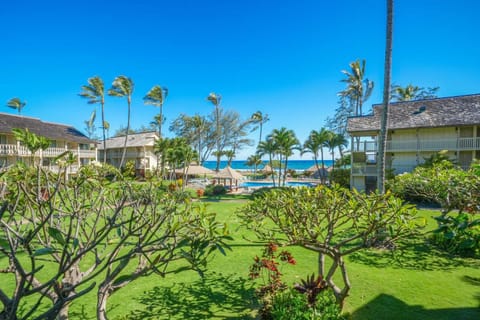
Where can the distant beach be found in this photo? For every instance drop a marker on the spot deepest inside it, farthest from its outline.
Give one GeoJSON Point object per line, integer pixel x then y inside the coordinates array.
{"type": "Point", "coordinates": [297, 165]}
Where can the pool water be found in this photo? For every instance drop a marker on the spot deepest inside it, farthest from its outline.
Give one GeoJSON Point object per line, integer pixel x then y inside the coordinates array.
{"type": "Point", "coordinates": [255, 184]}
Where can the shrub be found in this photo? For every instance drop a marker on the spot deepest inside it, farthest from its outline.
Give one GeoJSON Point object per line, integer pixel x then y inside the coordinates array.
{"type": "Point", "coordinates": [266, 268]}
{"type": "Point", "coordinates": [290, 304]}
{"type": "Point", "coordinates": [341, 177]}
{"type": "Point", "coordinates": [453, 189]}
{"type": "Point", "coordinates": [215, 190]}
{"type": "Point", "coordinates": [129, 169]}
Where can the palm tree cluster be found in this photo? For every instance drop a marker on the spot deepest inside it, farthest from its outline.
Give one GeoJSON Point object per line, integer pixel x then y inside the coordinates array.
{"type": "Point", "coordinates": [174, 153]}
{"type": "Point", "coordinates": [281, 143]}
{"type": "Point", "coordinates": [122, 87]}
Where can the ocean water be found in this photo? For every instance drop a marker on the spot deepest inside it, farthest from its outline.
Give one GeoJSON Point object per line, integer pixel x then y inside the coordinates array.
{"type": "Point", "coordinates": [298, 165]}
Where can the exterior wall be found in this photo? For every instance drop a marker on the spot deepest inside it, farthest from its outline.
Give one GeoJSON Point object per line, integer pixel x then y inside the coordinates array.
{"type": "Point", "coordinates": [11, 151]}
{"type": "Point", "coordinates": [406, 149]}
{"type": "Point", "coordinates": [144, 157]}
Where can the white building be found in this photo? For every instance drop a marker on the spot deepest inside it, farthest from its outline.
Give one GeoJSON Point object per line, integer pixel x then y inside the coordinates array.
{"type": "Point", "coordinates": [62, 138]}
{"type": "Point", "coordinates": [416, 130]}
{"type": "Point", "coordinates": [140, 149]}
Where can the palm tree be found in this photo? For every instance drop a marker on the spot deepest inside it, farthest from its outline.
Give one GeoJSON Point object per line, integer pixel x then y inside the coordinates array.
{"type": "Point", "coordinates": [268, 147]}
{"type": "Point", "coordinates": [215, 99]}
{"type": "Point", "coordinates": [123, 86]}
{"type": "Point", "coordinates": [315, 144]}
{"type": "Point", "coordinates": [156, 96]}
{"type": "Point", "coordinates": [335, 141]}
{"type": "Point", "coordinates": [16, 103]}
{"type": "Point", "coordinates": [358, 89]}
{"type": "Point", "coordinates": [386, 99]}
{"type": "Point", "coordinates": [254, 160]}
{"type": "Point", "coordinates": [259, 118]}
{"type": "Point", "coordinates": [94, 91]}
{"type": "Point", "coordinates": [286, 142]}
{"type": "Point", "coordinates": [90, 124]}
{"type": "Point", "coordinates": [230, 154]}
{"type": "Point", "coordinates": [411, 92]}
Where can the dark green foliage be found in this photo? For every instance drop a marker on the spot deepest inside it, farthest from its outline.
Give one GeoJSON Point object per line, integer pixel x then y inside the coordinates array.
{"type": "Point", "coordinates": [341, 177]}
{"type": "Point", "coordinates": [458, 194]}
{"type": "Point", "coordinates": [290, 305]}
{"type": "Point", "coordinates": [458, 234]}
{"type": "Point", "coordinates": [215, 190]}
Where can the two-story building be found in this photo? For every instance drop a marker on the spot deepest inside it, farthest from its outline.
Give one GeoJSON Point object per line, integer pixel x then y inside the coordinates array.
{"type": "Point", "coordinates": [415, 131]}
{"type": "Point", "coordinates": [140, 149]}
{"type": "Point", "coordinates": [62, 138]}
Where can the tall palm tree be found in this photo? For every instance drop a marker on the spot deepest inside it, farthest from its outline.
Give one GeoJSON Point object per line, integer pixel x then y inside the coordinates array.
{"type": "Point", "coordinates": [386, 99]}
{"type": "Point", "coordinates": [16, 103]}
{"type": "Point", "coordinates": [268, 147]}
{"type": "Point", "coordinates": [123, 86]}
{"type": "Point", "coordinates": [358, 88]}
{"type": "Point", "coordinates": [215, 99]}
{"type": "Point", "coordinates": [286, 142]}
{"type": "Point", "coordinates": [259, 118]}
{"type": "Point", "coordinates": [156, 96]}
{"type": "Point", "coordinates": [254, 160]}
{"type": "Point", "coordinates": [94, 91]}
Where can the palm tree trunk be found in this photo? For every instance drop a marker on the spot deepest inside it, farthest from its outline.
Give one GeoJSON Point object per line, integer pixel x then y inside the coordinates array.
{"type": "Point", "coordinates": [322, 176]}
{"type": "Point", "coordinates": [161, 120]}
{"type": "Point", "coordinates": [126, 136]}
{"type": "Point", "coordinates": [103, 133]}
{"type": "Point", "coordinates": [386, 98]}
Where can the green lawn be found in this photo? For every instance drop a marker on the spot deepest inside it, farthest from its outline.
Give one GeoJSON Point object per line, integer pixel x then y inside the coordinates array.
{"type": "Point", "coordinates": [415, 283]}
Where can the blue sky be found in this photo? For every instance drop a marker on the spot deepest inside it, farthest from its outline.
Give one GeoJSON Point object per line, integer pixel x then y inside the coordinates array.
{"type": "Point", "coordinates": [281, 57]}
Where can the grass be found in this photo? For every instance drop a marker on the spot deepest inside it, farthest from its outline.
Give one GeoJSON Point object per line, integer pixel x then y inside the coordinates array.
{"type": "Point", "coordinates": [416, 282]}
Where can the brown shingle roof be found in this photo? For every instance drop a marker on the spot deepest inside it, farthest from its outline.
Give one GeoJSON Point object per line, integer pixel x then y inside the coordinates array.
{"type": "Point", "coordinates": [134, 140]}
{"type": "Point", "coordinates": [441, 112]}
{"type": "Point", "coordinates": [53, 131]}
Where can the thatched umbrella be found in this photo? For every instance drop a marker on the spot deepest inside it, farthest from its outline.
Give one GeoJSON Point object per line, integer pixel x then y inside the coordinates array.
{"type": "Point", "coordinates": [267, 169]}
{"type": "Point", "coordinates": [230, 174]}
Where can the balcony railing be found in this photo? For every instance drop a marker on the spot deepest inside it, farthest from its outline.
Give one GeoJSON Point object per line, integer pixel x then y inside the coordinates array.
{"type": "Point", "coordinates": [421, 145]}
{"type": "Point", "coordinates": [22, 151]}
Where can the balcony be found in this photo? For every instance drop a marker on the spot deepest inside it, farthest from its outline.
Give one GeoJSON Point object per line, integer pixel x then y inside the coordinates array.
{"type": "Point", "coordinates": [460, 144]}
{"type": "Point", "coordinates": [22, 151]}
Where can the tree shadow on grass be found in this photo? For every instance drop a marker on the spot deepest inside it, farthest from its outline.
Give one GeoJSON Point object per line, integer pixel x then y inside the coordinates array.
{"type": "Point", "coordinates": [415, 254]}
{"type": "Point", "coordinates": [385, 306]}
{"type": "Point", "coordinates": [216, 296]}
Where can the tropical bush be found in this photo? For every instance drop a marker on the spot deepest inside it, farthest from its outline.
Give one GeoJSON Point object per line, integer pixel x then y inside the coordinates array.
{"type": "Point", "coordinates": [291, 304]}
{"type": "Point", "coordinates": [457, 192]}
{"type": "Point", "coordinates": [340, 177]}
{"type": "Point", "coordinates": [214, 190]}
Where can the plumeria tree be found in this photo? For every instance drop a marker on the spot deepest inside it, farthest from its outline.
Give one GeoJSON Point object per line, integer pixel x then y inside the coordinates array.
{"type": "Point", "coordinates": [331, 221]}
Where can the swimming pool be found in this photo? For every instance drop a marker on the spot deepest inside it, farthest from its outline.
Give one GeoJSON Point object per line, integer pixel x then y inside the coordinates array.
{"type": "Point", "coordinates": [257, 184]}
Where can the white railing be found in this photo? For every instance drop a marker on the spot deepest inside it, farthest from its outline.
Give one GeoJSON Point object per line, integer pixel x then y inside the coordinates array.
{"type": "Point", "coordinates": [364, 169]}
{"type": "Point", "coordinates": [22, 151]}
{"type": "Point", "coordinates": [421, 145]}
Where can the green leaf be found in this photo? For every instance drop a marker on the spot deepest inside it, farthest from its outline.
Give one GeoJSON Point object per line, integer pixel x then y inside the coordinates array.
{"type": "Point", "coordinates": [449, 235]}
{"type": "Point", "coordinates": [43, 251]}
{"type": "Point", "coordinates": [57, 235]}
{"type": "Point", "coordinates": [4, 243]}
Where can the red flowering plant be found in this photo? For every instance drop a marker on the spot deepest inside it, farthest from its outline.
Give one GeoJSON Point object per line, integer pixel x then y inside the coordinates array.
{"type": "Point", "coordinates": [267, 267]}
